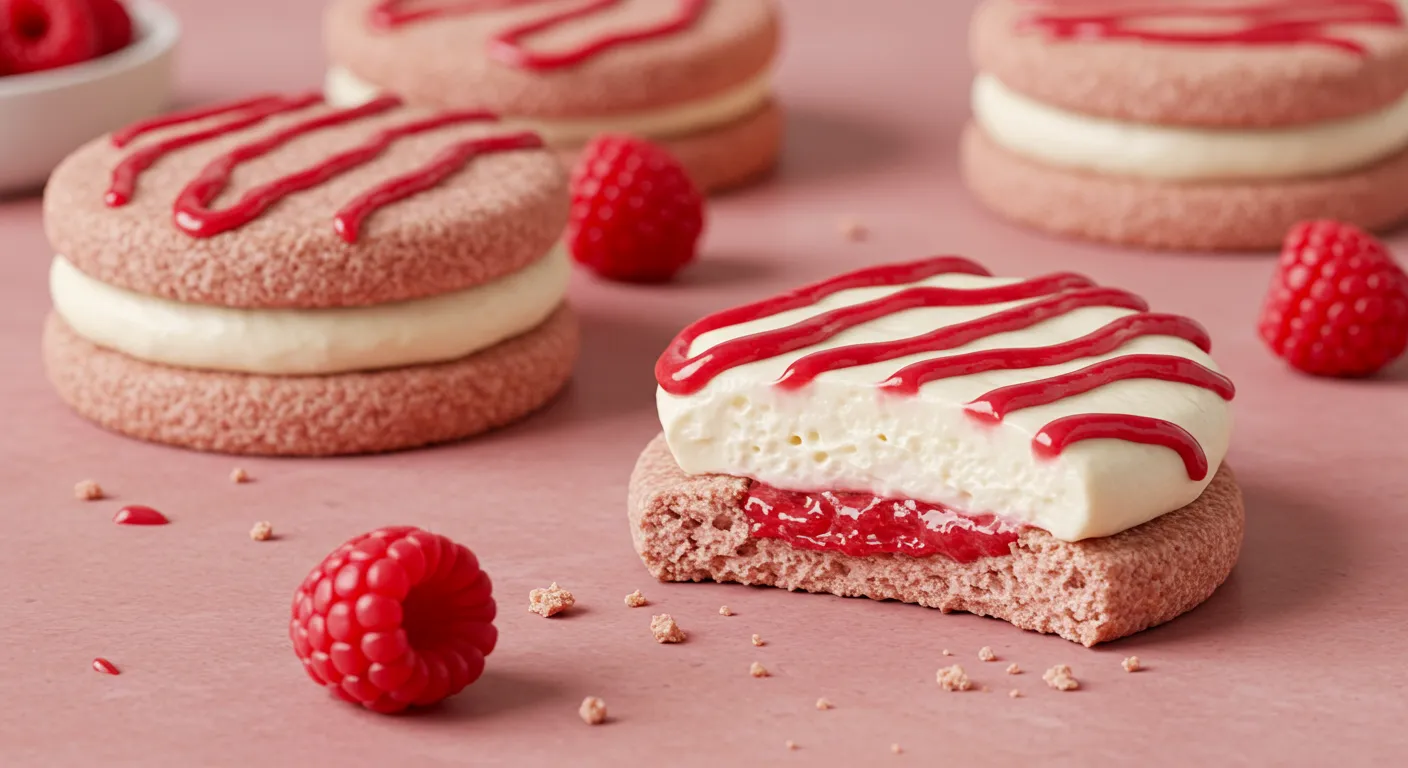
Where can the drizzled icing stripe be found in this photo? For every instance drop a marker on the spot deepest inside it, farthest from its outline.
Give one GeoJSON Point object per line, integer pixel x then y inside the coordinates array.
{"type": "Point", "coordinates": [192, 211]}
{"type": "Point", "coordinates": [1253, 23]}
{"type": "Point", "coordinates": [507, 46]}
{"type": "Point", "coordinates": [1046, 298]}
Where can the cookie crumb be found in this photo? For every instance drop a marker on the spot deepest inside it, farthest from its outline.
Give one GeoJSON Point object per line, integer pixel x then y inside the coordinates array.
{"type": "Point", "coordinates": [238, 475]}
{"type": "Point", "coordinates": [986, 654]}
{"type": "Point", "coordinates": [790, 744]}
{"type": "Point", "coordinates": [550, 601]}
{"type": "Point", "coordinates": [636, 600]}
{"type": "Point", "coordinates": [87, 490]}
{"type": "Point", "coordinates": [852, 230]}
{"type": "Point", "coordinates": [1014, 693]}
{"type": "Point", "coordinates": [954, 679]}
{"type": "Point", "coordinates": [897, 749]}
{"type": "Point", "coordinates": [823, 705]}
{"type": "Point", "coordinates": [593, 711]}
{"type": "Point", "coordinates": [758, 640]}
{"type": "Point", "coordinates": [1060, 678]}
{"type": "Point", "coordinates": [262, 531]}
{"type": "Point", "coordinates": [665, 629]}
{"type": "Point", "coordinates": [758, 670]}
{"type": "Point", "coordinates": [1013, 669]}
{"type": "Point", "coordinates": [947, 652]}
{"type": "Point", "coordinates": [1131, 664]}
{"type": "Point", "coordinates": [724, 611]}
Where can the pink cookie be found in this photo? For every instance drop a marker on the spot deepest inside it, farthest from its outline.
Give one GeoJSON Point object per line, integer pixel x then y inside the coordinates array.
{"type": "Point", "coordinates": [691, 74]}
{"type": "Point", "coordinates": [278, 276]}
{"type": "Point", "coordinates": [1189, 124]}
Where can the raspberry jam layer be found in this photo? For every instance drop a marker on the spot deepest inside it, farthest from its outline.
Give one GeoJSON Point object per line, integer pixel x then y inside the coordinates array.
{"type": "Point", "coordinates": [860, 524]}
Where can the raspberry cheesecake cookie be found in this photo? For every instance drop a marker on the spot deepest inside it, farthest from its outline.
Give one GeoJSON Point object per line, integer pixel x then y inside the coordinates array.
{"type": "Point", "coordinates": [694, 75]}
{"type": "Point", "coordinates": [1189, 124]}
{"type": "Point", "coordinates": [281, 276]}
{"type": "Point", "coordinates": [1047, 451]}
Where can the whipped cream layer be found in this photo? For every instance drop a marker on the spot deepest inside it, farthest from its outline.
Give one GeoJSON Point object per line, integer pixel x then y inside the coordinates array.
{"type": "Point", "coordinates": [343, 88]}
{"type": "Point", "coordinates": [1068, 139]}
{"type": "Point", "coordinates": [843, 430]}
{"type": "Point", "coordinates": [291, 342]}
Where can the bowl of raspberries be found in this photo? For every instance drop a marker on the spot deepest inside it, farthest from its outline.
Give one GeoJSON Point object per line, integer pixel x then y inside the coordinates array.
{"type": "Point", "coordinates": [71, 70]}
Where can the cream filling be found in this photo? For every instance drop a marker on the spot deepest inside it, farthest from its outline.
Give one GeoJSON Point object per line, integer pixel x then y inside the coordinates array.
{"type": "Point", "coordinates": [343, 88]}
{"type": "Point", "coordinates": [291, 342]}
{"type": "Point", "coordinates": [1071, 140]}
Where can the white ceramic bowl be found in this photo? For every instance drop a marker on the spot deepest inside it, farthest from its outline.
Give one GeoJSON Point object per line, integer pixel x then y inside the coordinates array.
{"type": "Point", "coordinates": [46, 115]}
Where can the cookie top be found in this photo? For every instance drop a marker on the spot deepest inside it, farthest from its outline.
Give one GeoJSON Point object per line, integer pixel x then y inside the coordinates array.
{"type": "Point", "coordinates": [553, 58]}
{"type": "Point", "coordinates": [1210, 63]}
{"type": "Point", "coordinates": [286, 202]}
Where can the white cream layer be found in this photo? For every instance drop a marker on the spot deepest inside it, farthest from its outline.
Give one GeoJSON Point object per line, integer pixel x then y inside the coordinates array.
{"type": "Point", "coordinates": [1068, 139]}
{"type": "Point", "coordinates": [292, 342]}
{"type": "Point", "coordinates": [841, 433]}
{"type": "Point", "coordinates": [343, 88]}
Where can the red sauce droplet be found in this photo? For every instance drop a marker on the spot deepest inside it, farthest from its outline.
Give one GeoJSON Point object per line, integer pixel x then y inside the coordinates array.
{"type": "Point", "coordinates": [101, 664]}
{"type": "Point", "coordinates": [507, 46]}
{"type": "Point", "coordinates": [139, 515]}
{"type": "Point", "coordinates": [860, 524]}
{"type": "Point", "coordinates": [1253, 22]}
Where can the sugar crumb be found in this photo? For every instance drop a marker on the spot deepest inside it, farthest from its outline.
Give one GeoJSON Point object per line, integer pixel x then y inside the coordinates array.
{"type": "Point", "coordinates": [897, 749]}
{"type": "Point", "coordinates": [724, 611]}
{"type": "Point", "coordinates": [87, 490]}
{"type": "Point", "coordinates": [954, 679]}
{"type": "Point", "coordinates": [592, 711]}
{"type": "Point", "coordinates": [823, 704]}
{"type": "Point", "coordinates": [550, 601]}
{"type": "Point", "coordinates": [758, 640]}
{"type": "Point", "coordinates": [636, 599]}
{"type": "Point", "coordinates": [1060, 678]}
{"type": "Point", "coordinates": [1132, 664]}
{"type": "Point", "coordinates": [262, 531]}
{"type": "Point", "coordinates": [790, 744]}
{"type": "Point", "coordinates": [986, 654]}
{"type": "Point", "coordinates": [852, 229]}
{"type": "Point", "coordinates": [1013, 669]}
{"type": "Point", "coordinates": [238, 475]}
{"type": "Point", "coordinates": [758, 670]}
{"type": "Point", "coordinates": [665, 629]}
{"type": "Point", "coordinates": [1014, 693]}
{"type": "Point", "coordinates": [947, 652]}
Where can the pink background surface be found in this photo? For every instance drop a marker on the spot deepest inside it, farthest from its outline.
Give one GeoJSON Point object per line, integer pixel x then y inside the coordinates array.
{"type": "Point", "coordinates": [1299, 659]}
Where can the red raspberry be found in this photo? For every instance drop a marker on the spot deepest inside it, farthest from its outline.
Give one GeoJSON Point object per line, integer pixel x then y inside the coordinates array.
{"type": "Point", "coordinates": [636, 215]}
{"type": "Point", "coordinates": [114, 25]}
{"type": "Point", "coordinates": [46, 34]}
{"type": "Point", "coordinates": [395, 618]}
{"type": "Point", "coordinates": [1338, 304]}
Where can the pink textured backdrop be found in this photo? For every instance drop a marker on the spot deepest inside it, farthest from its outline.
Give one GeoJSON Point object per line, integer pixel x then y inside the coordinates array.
{"type": "Point", "coordinates": [1299, 659]}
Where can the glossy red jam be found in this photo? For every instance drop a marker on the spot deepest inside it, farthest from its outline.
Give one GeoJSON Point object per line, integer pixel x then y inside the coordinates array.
{"type": "Point", "coordinates": [860, 524]}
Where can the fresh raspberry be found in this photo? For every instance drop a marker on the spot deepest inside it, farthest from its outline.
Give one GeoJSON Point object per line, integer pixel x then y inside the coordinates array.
{"type": "Point", "coordinates": [636, 215]}
{"type": "Point", "coordinates": [46, 34]}
{"type": "Point", "coordinates": [1338, 304]}
{"type": "Point", "coordinates": [395, 618]}
{"type": "Point", "coordinates": [114, 25]}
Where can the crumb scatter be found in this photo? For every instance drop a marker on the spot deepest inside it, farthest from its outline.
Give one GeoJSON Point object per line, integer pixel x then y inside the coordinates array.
{"type": "Point", "coordinates": [947, 652]}
{"type": "Point", "coordinates": [636, 600]}
{"type": "Point", "coordinates": [954, 679]}
{"type": "Point", "coordinates": [665, 630]}
{"type": "Point", "coordinates": [1060, 678]}
{"type": "Point", "coordinates": [758, 670]}
{"type": "Point", "coordinates": [986, 654]}
{"type": "Point", "coordinates": [724, 611]}
{"type": "Point", "coordinates": [592, 711]}
{"type": "Point", "coordinates": [758, 640]}
{"type": "Point", "coordinates": [1014, 693]}
{"type": "Point", "coordinates": [823, 704]}
{"type": "Point", "coordinates": [551, 601]}
{"type": "Point", "coordinates": [87, 490]}
{"type": "Point", "coordinates": [1131, 664]}
{"type": "Point", "coordinates": [1013, 669]}
{"type": "Point", "coordinates": [238, 475]}
{"type": "Point", "coordinates": [262, 531]}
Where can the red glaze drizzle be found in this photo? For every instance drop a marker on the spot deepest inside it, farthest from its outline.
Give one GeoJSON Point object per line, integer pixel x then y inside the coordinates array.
{"type": "Point", "coordinates": [507, 46]}
{"type": "Point", "coordinates": [192, 212]}
{"type": "Point", "coordinates": [860, 524]}
{"type": "Point", "coordinates": [1267, 22]}
{"type": "Point", "coordinates": [1046, 298]}
{"type": "Point", "coordinates": [139, 515]}
{"type": "Point", "coordinates": [101, 664]}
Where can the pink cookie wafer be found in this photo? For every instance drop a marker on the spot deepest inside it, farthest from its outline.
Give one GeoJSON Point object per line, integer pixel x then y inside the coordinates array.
{"type": "Point", "coordinates": [690, 74]}
{"type": "Point", "coordinates": [695, 528]}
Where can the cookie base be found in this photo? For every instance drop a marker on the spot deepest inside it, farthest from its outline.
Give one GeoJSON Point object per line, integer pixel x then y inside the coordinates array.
{"type": "Point", "coordinates": [728, 157]}
{"type": "Point", "coordinates": [1231, 216]}
{"type": "Point", "coordinates": [367, 412]}
{"type": "Point", "coordinates": [694, 528]}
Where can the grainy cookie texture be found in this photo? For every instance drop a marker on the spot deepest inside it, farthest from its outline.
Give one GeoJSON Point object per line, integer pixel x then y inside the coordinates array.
{"type": "Point", "coordinates": [551, 601]}
{"type": "Point", "coordinates": [954, 679]}
{"type": "Point", "coordinates": [694, 528]}
{"type": "Point", "coordinates": [635, 599]}
{"type": "Point", "coordinates": [1061, 678]}
{"type": "Point", "coordinates": [665, 630]}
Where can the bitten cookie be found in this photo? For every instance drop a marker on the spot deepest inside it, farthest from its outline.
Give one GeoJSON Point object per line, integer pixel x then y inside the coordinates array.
{"type": "Point", "coordinates": [693, 75]}
{"type": "Point", "coordinates": [279, 276]}
{"type": "Point", "coordinates": [1047, 451]}
{"type": "Point", "coordinates": [1188, 124]}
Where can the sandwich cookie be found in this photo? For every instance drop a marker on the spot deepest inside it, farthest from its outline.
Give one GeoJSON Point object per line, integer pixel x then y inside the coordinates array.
{"type": "Point", "coordinates": [692, 75]}
{"type": "Point", "coordinates": [1047, 451]}
{"type": "Point", "coordinates": [1189, 124]}
{"type": "Point", "coordinates": [280, 276]}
